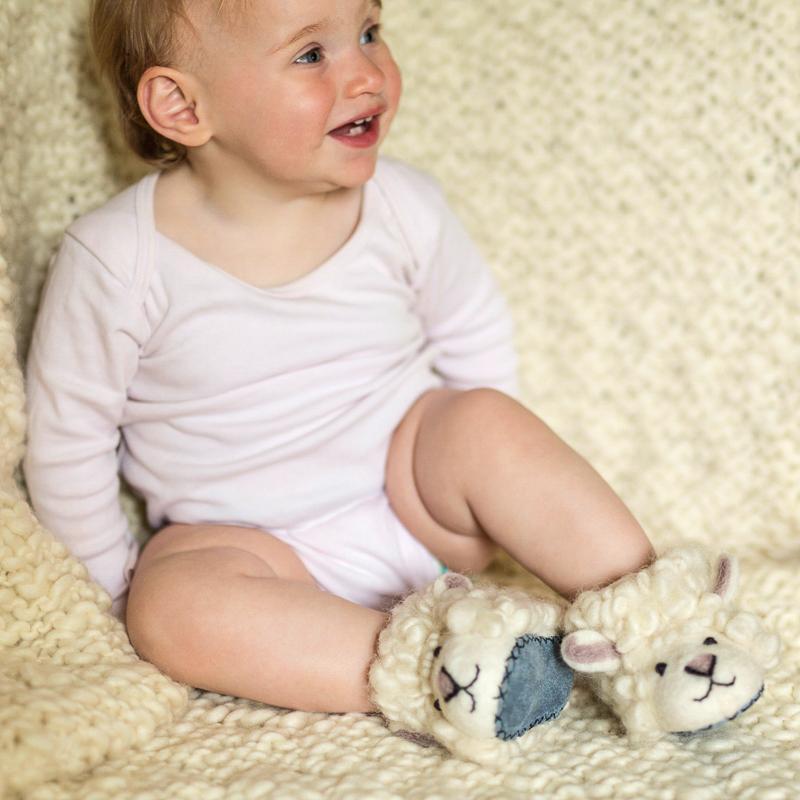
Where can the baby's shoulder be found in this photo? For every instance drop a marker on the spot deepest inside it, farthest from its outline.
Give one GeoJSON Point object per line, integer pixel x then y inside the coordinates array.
{"type": "Point", "coordinates": [112, 233]}
{"type": "Point", "coordinates": [416, 200]}
{"type": "Point", "coordinates": [404, 183]}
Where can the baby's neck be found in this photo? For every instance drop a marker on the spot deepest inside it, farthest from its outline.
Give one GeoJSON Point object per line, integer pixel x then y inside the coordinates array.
{"type": "Point", "coordinates": [263, 237]}
{"type": "Point", "coordinates": [240, 198]}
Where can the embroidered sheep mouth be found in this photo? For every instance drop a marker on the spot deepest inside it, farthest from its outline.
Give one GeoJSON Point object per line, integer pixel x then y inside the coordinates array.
{"type": "Point", "coordinates": [450, 688]}
{"type": "Point", "coordinates": [690, 734]}
{"type": "Point", "coordinates": [704, 668]}
{"type": "Point", "coordinates": [712, 683]}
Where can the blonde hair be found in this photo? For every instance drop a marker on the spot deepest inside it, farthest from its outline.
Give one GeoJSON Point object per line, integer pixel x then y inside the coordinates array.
{"type": "Point", "coordinates": [128, 37]}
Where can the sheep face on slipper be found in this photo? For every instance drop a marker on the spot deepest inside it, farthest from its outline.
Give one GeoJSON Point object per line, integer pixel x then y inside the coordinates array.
{"type": "Point", "coordinates": [490, 659]}
{"type": "Point", "coordinates": [474, 667]}
{"type": "Point", "coordinates": [667, 649]}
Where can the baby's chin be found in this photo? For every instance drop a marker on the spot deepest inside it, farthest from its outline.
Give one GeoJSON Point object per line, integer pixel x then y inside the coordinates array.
{"type": "Point", "coordinates": [356, 175]}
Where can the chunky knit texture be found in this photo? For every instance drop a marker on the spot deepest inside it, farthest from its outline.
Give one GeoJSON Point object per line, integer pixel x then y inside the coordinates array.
{"type": "Point", "coordinates": [630, 168]}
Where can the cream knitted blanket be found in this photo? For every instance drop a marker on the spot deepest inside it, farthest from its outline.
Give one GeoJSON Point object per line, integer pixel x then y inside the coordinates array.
{"type": "Point", "coordinates": [631, 168]}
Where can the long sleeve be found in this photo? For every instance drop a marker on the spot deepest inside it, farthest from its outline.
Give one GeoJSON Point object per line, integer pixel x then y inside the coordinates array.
{"type": "Point", "coordinates": [465, 314]}
{"type": "Point", "coordinates": [458, 299]}
{"type": "Point", "coordinates": [83, 355]}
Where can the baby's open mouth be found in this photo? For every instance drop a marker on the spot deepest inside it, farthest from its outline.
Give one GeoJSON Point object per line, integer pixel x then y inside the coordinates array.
{"type": "Point", "coordinates": [356, 128]}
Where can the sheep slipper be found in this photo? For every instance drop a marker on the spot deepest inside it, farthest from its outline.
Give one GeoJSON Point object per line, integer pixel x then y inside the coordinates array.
{"type": "Point", "coordinates": [667, 649]}
{"type": "Point", "coordinates": [474, 667]}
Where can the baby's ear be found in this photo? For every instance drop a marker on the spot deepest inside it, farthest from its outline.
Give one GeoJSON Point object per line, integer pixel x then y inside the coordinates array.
{"type": "Point", "coordinates": [726, 582]}
{"type": "Point", "coordinates": [589, 651]}
{"type": "Point", "coordinates": [168, 100]}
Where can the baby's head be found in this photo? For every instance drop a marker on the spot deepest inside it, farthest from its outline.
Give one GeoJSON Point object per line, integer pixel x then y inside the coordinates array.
{"type": "Point", "coordinates": [266, 85]}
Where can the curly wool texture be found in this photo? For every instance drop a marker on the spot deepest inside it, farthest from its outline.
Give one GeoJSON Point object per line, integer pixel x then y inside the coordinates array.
{"type": "Point", "coordinates": [400, 676]}
{"type": "Point", "coordinates": [64, 660]}
{"type": "Point", "coordinates": [651, 612]}
{"type": "Point", "coordinates": [12, 397]}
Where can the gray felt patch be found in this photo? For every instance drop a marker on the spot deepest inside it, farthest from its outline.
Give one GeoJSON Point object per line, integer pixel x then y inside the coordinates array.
{"type": "Point", "coordinates": [535, 687]}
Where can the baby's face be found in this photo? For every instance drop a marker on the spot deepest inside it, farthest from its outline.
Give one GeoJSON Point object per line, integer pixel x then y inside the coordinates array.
{"type": "Point", "coordinates": [284, 81]}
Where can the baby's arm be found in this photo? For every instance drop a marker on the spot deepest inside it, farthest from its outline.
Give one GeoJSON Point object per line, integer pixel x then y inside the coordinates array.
{"type": "Point", "coordinates": [458, 300]}
{"type": "Point", "coordinates": [465, 314]}
{"type": "Point", "coordinates": [84, 353]}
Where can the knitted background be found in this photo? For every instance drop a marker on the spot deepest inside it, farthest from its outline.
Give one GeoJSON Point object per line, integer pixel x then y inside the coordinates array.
{"type": "Point", "coordinates": [631, 168]}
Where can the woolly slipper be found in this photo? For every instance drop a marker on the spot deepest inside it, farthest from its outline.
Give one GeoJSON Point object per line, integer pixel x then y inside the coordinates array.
{"type": "Point", "coordinates": [473, 667]}
{"type": "Point", "coordinates": [667, 649]}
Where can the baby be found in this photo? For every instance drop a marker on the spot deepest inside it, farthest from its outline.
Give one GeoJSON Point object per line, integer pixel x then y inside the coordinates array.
{"type": "Point", "coordinates": [291, 349]}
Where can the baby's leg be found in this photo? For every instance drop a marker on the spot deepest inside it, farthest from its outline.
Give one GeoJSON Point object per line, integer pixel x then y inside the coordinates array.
{"type": "Point", "coordinates": [234, 610]}
{"type": "Point", "coordinates": [467, 467]}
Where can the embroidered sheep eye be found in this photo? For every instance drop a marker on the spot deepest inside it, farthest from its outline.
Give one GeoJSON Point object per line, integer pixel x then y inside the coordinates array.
{"type": "Point", "coordinates": [710, 640]}
{"type": "Point", "coordinates": [661, 668]}
{"type": "Point", "coordinates": [437, 651]}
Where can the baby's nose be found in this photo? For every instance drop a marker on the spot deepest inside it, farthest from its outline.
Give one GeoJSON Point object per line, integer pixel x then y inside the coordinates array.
{"type": "Point", "coordinates": [701, 665]}
{"type": "Point", "coordinates": [364, 76]}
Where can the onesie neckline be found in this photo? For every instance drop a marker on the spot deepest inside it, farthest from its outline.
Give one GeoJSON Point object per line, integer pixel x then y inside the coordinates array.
{"type": "Point", "coordinates": [296, 287]}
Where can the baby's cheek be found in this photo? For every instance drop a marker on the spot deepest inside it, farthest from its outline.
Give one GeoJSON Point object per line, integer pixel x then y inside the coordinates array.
{"type": "Point", "coordinates": [394, 86]}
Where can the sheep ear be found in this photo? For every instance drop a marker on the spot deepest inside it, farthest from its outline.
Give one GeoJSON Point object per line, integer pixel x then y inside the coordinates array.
{"type": "Point", "coordinates": [589, 651]}
{"type": "Point", "coordinates": [726, 583]}
{"type": "Point", "coordinates": [451, 580]}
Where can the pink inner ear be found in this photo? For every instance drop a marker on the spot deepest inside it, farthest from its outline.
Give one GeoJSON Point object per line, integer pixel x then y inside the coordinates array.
{"type": "Point", "coordinates": [723, 576]}
{"type": "Point", "coordinates": [589, 653]}
{"type": "Point", "coordinates": [453, 580]}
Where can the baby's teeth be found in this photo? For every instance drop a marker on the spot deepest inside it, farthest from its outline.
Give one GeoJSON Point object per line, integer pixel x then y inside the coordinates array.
{"type": "Point", "coordinates": [358, 127]}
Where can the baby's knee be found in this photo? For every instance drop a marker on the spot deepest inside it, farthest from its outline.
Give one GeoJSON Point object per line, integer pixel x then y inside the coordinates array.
{"type": "Point", "coordinates": [488, 415]}
{"type": "Point", "coordinates": [154, 605]}
{"type": "Point", "coordinates": [173, 600]}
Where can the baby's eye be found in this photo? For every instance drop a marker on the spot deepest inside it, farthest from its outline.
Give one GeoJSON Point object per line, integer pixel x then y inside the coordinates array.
{"type": "Point", "coordinates": [313, 56]}
{"type": "Point", "coordinates": [370, 35]}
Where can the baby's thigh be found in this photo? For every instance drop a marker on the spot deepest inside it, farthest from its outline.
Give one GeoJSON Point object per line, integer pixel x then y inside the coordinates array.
{"type": "Point", "coordinates": [462, 551]}
{"type": "Point", "coordinates": [264, 553]}
{"type": "Point", "coordinates": [185, 567]}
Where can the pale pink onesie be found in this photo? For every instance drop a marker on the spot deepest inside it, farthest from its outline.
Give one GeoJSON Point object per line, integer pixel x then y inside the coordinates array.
{"type": "Point", "coordinates": [223, 402]}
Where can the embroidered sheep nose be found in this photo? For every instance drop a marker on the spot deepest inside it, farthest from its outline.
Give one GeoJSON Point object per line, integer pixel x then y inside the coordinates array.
{"type": "Point", "coordinates": [447, 685]}
{"type": "Point", "coordinates": [702, 665]}
{"type": "Point", "coordinates": [450, 688]}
